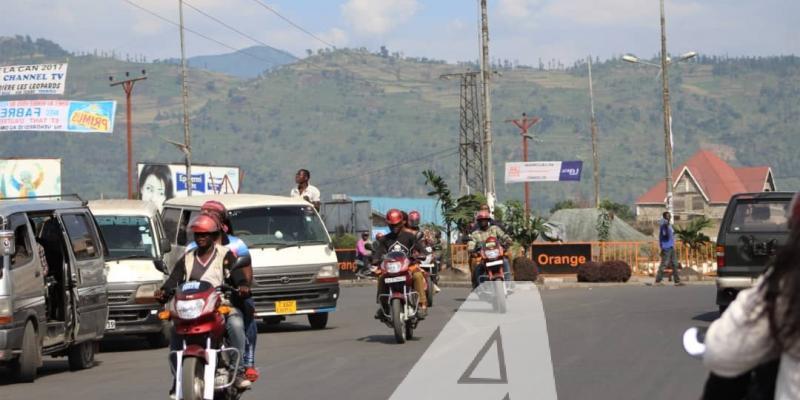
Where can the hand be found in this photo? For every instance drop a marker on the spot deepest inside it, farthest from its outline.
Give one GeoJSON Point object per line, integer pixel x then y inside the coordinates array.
{"type": "Point", "coordinates": [244, 291]}
{"type": "Point", "coordinates": [160, 295]}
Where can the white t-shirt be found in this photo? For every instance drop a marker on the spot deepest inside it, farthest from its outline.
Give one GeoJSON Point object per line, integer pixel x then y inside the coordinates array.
{"type": "Point", "coordinates": [311, 191]}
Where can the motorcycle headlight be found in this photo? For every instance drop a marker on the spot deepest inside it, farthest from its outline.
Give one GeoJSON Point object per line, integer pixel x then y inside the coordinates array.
{"type": "Point", "coordinates": [492, 253]}
{"type": "Point", "coordinates": [189, 309]}
{"type": "Point", "coordinates": [394, 267]}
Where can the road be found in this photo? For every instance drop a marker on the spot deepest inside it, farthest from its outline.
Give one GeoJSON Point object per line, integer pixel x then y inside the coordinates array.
{"type": "Point", "coordinates": [606, 343]}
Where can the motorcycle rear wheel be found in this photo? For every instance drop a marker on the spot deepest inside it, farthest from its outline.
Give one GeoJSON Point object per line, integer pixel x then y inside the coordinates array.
{"type": "Point", "coordinates": [192, 384]}
{"type": "Point", "coordinates": [397, 321]}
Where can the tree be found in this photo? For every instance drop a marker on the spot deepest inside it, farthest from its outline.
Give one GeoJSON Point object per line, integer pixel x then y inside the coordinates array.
{"type": "Point", "coordinates": [458, 212]}
{"type": "Point", "coordinates": [523, 228]}
{"type": "Point", "coordinates": [564, 204]}
{"type": "Point", "coordinates": [691, 235]}
{"type": "Point", "coordinates": [618, 210]}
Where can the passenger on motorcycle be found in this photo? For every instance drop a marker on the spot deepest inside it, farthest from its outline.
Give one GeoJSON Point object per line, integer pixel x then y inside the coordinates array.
{"type": "Point", "coordinates": [413, 226]}
{"type": "Point", "coordinates": [478, 237]}
{"type": "Point", "coordinates": [242, 253]}
{"type": "Point", "coordinates": [212, 263]}
{"type": "Point", "coordinates": [400, 239]}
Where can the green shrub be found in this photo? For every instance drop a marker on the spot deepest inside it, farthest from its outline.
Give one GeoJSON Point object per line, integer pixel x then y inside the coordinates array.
{"type": "Point", "coordinates": [344, 241]}
{"type": "Point", "coordinates": [524, 269]}
{"type": "Point", "coordinates": [609, 271]}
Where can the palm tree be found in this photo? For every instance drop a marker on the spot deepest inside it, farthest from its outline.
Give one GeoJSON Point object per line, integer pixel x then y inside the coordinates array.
{"type": "Point", "coordinates": [458, 213]}
{"type": "Point", "coordinates": [692, 236]}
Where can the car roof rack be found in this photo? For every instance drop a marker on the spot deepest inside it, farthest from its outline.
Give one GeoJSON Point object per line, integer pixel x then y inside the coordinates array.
{"type": "Point", "coordinates": [63, 196]}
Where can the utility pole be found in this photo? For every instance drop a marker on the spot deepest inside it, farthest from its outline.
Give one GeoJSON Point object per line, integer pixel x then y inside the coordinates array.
{"type": "Point", "coordinates": [667, 114]}
{"type": "Point", "coordinates": [524, 124]}
{"type": "Point", "coordinates": [187, 143]}
{"type": "Point", "coordinates": [596, 161]}
{"type": "Point", "coordinates": [471, 178]}
{"type": "Point", "coordinates": [127, 86]}
{"type": "Point", "coordinates": [486, 73]}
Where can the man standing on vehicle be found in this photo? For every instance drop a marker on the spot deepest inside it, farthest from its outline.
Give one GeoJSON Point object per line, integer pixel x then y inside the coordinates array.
{"type": "Point", "coordinates": [212, 263]}
{"type": "Point", "coordinates": [399, 239]}
{"type": "Point", "coordinates": [305, 190]}
{"type": "Point", "coordinates": [666, 240]}
{"type": "Point", "coordinates": [478, 237]}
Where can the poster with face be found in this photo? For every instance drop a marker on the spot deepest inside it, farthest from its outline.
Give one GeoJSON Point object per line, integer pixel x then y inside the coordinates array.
{"type": "Point", "coordinates": [161, 182]}
{"type": "Point", "coordinates": [30, 177]}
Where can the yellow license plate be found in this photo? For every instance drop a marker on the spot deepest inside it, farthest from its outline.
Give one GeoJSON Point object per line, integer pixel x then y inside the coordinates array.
{"type": "Point", "coordinates": [286, 307]}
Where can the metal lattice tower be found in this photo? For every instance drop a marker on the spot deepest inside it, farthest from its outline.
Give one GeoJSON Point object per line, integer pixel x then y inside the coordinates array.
{"type": "Point", "coordinates": [471, 171]}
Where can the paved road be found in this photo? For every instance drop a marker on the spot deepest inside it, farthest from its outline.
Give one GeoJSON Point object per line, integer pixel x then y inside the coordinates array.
{"type": "Point", "coordinates": [613, 342]}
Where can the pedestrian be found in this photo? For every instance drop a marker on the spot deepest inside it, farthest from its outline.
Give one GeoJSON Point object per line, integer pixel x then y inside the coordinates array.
{"type": "Point", "coordinates": [666, 241]}
{"type": "Point", "coordinates": [305, 190]}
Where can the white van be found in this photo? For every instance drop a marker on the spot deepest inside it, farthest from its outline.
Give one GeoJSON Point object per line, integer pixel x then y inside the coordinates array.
{"type": "Point", "coordinates": [135, 266]}
{"type": "Point", "coordinates": [295, 270]}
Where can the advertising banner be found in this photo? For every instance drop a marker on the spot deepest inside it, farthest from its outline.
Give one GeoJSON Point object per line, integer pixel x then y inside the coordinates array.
{"type": "Point", "coordinates": [30, 177]}
{"type": "Point", "coordinates": [561, 258]}
{"type": "Point", "coordinates": [161, 182]}
{"type": "Point", "coordinates": [33, 79]}
{"type": "Point", "coordinates": [543, 171]}
{"type": "Point", "coordinates": [57, 115]}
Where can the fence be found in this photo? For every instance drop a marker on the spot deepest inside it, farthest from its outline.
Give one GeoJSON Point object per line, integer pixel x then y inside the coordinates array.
{"type": "Point", "coordinates": [643, 257]}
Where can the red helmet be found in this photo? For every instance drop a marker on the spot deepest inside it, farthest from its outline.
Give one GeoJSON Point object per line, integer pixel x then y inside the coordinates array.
{"type": "Point", "coordinates": [213, 205]}
{"type": "Point", "coordinates": [394, 216]}
{"type": "Point", "coordinates": [204, 223]}
{"type": "Point", "coordinates": [483, 214]}
{"type": "Point", "coordinates": [414, 218]}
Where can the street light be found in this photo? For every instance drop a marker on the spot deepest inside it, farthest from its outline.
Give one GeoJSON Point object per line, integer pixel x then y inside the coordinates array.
{"type": "Point", "coordinates": [665, 62]}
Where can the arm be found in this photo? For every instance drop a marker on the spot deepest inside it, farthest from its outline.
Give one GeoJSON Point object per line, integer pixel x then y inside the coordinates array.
{"type": "Point", "coordinates": [380, 251]}
{"type": "Point", "coordinates": [503, 236]}
{"type": "Point", "coordinates": [360, 249]}
{"type": "Point", "coordinates": [473, 242]}
{"type": "Point", "coordinates": [740, 339]}
{"type": "Point", "coordinates": [177, 276]}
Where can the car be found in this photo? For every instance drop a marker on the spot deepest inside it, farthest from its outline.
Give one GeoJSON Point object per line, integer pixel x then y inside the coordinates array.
{"type": "Point", "coordinates": [295, 270]}
{"type": "Point", "coordinates": [135, 267]}
{"type": "Point", "coordinates": [754, 227]}
{"type": "Point", "coordinates": [60, 311]}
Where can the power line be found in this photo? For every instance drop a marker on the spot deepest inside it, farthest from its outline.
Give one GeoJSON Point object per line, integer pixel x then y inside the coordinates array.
{"type": "Point", "coordinates": [153, 13]}
{"type": "Point", "coordinates": [292, 23]}
{"type": "Point", "coordinates": [440, 153]}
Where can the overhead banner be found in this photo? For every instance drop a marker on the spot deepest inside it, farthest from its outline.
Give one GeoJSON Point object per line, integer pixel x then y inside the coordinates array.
{"type": "Point", "coordinates": [33, 79]}
{"type": "Point", "coordinates": [57, 115]}
{"type": "Point", "coordinates": [543, 171]}
{"type": "Point", "coordinates": [30, 177]}
{"type": "Point", "coordinates": [161, 182]}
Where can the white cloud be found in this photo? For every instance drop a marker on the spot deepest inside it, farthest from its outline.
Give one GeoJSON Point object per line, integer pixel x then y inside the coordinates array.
{"type": "Point", "coordinates": [627, 12]}
{"type": "Point", "coordinates": [335, 36]}
{"type": "Point", "coordinates": [377, 17]}
{"type": "Point", "coordinates": [519, 8]}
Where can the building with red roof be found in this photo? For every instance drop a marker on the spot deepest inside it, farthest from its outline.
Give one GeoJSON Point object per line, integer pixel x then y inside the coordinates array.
{"type": "Point", "coordinates": [703, 186]}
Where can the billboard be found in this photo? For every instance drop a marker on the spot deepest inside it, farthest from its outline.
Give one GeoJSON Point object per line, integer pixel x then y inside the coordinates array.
{"type": "Point", "coordinates": [561, 258]}
{"type": "Point", "coordinates": [33, 79]}
{"type": "Point", "coordinates": [57, 115]}
{"type": "Point", "coordinates": [161, 182]}
{"type": "Point", "coordinates": [30, 177]}
{"type": "Point", "coordinates": [543, 171]}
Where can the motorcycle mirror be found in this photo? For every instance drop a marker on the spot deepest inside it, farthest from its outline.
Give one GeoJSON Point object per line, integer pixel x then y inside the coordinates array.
{"type": "Point", "coordinates": [694, 341]}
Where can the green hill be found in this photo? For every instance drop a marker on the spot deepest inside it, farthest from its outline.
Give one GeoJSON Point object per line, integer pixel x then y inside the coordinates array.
{"type": "Point", "coordinates": [355, 119]}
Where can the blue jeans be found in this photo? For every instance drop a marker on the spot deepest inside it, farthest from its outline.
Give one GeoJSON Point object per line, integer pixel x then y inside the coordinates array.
{"type": "Point", "coordinates": [251, 331]}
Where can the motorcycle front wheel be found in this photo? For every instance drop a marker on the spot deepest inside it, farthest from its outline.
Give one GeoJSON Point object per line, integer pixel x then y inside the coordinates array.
{"type": "Point", "coordinates": [192, 384]}
{"type": "Point", "coordinates": [499, 296]}
{"type": "Point", "coordinates": [397, 321]}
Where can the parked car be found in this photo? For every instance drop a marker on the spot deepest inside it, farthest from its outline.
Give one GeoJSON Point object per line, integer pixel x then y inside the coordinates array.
{"type": "Point", "coordinates": [135, 266]}
{"type": "Point", "coordinates": [60, 311]}
{"type": "Point", "coordinates": [753, 228]}
{"type": "Point", "coordinates": [295, 270]}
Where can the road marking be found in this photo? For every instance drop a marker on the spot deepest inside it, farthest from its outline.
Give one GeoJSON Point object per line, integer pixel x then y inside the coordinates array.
{"type": "Point", "coordinates": [481, 354]}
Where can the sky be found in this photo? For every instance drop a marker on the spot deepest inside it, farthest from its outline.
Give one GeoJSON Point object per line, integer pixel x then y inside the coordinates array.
{"type": "Point", "coordinates": [523, 30]}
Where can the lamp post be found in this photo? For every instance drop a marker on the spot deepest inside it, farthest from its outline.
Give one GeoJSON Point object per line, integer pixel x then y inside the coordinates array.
{"type": "Point", "coordinates": [665, 62]}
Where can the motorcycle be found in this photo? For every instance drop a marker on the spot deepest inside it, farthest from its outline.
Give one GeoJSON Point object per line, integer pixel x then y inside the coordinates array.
{"type": "Point", "coordinates": [491, 261]}
{"type": "Point", "coordinates": [399, 302]}
{"type": "Point", "coordinates": [205, 368]}
{"type": "Point", "coordinates": [430, 265]}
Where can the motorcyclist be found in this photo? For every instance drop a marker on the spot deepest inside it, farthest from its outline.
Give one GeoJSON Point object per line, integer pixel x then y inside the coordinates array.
{"type": "Point", "coordinates": [413, 226]}
{"type": "Point", "coordinates": [213, 263]}
{"type": "Point", "coordinates": [400, 239]}
{"type": "Point", "coordinates": [242, 253]}
{"type": "Point", "coordinates": [478, 237]}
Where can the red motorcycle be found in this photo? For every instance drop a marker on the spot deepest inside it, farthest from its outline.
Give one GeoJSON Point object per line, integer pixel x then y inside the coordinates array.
{"type": "Point", "coordinates": [205, 368]}
{"type": "Point", "coordinates": [400, 302]}
{"type": "Point", "coordinates": [491, 284]}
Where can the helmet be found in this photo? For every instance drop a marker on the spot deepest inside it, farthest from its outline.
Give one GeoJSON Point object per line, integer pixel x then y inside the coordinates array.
{"type": "Point", "coordinates": [394, 216]}
{"type": "Point", "coordinates": [483, 214]}
{"type": "Point", "coordinates": [204, 223]}
{"type": "Point", "coordinates": [414, 218]}
{"type": "Point", "coordinates": [213, 205]}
